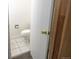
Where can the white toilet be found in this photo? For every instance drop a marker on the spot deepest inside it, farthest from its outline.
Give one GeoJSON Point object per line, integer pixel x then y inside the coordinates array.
{"type": "Point", "coordinates": [26, 34]}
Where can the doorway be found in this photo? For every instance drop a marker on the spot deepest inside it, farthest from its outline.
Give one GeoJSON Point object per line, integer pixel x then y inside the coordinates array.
{"type": "Point", "coordinates": [29, 27]}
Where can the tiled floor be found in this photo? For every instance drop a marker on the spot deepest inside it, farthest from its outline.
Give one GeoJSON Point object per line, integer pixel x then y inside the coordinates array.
{"type": "Point", "coordinates": [24, 56]}
{"type": "Point", "coordinates": [19, 46]}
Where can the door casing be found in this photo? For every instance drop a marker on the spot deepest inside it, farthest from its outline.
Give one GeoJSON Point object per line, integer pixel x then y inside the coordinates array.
{"type": "Point", "coordinates": [58, 25]}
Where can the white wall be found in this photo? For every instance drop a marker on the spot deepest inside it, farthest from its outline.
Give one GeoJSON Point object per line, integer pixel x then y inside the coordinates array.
{"type": "Point", "coordinates": [19, 13]}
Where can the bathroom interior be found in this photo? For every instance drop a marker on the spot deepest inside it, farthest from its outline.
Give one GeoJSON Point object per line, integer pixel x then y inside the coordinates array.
{"type": "Point", "coordinates": [19, 26]}
{"type": "Point", "coordinates": [27, 19]}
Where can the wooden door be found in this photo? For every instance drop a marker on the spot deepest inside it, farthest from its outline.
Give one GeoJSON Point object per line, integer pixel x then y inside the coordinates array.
{"type": "Point", "coordinates": [60, 35]}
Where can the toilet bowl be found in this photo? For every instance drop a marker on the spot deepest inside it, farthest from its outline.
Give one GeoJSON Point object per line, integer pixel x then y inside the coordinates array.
{"type": "Point", "coordinates": [26, 34]}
